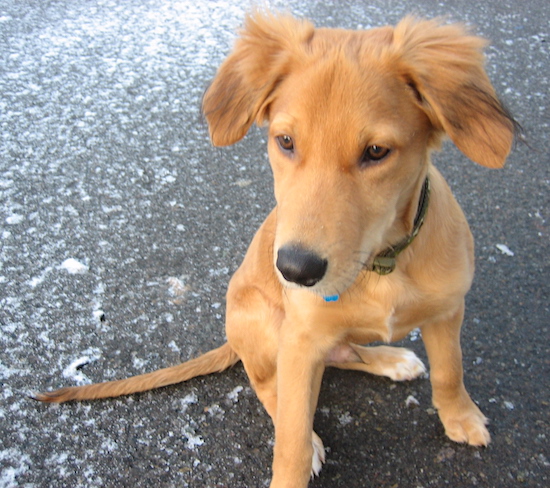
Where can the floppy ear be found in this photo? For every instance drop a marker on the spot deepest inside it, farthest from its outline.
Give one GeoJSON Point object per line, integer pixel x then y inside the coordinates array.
{"type": "Point", "coordinates": [262, 56]}
{"type": "Point", "coordinates": [445, 67]}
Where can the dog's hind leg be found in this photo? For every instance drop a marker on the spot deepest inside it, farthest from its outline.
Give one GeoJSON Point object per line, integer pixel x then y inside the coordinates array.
{"type": "Point", "coordinates": [397, 363]}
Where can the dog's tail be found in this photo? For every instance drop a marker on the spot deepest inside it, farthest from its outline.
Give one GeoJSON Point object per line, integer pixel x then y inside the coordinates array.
{"type": "Point", "coordinates": [212, 362]}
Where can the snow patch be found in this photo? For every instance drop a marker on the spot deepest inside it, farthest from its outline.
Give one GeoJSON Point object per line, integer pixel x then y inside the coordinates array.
{"type": "Point", "coordinates": [189, 399]}
{"type": "Point", "coordinates": [99, 315]}
{"type": "Point", "coordinates": [233, 395]}
{"type": "Point", "coordinates": [411, 401]}
{"type": "Point", "coordinates": [214, 273]}
{"type": "Point", "coordinates": [15, 219]}
{"type": "Point", "coordinates": [73, 266]}
{"type": "Point", "coordinates": [73, 370]}
{"type": "Point", "coordinates": [21, 463]}
{"type": "Point", "coordinates": [216, 411]}
{"type": "Point", "coordinates": [345, 419]}
{"type": "Point", "coordinates": [37, 280]}
{"type": "Point", "coordinates": [193, 440]}
{"type": "Point", "coordinates": [504, 249]}
{"type": "Point", "coordinates": [177, 287]}
{"type": "Point", "coordinates": [414, 335]}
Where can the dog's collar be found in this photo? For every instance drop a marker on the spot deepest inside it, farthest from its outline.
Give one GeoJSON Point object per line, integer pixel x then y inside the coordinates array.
{"type": "Point", "coordinates": [385, 262]}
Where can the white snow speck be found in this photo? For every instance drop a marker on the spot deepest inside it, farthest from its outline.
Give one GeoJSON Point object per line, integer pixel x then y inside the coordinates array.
{"type": "Point", "coordinates": [218, 272]}
{"type": "Point", "coordinates": [414, 335]}
{"type": "Point", "coordinates": [37, 280]}
{"type": "Point", "coordinates": [509, 405]}
{"type": "Point", "coordinates": [72, 371]}
{"type": "Point", "coordinates": [177, 287]}
{"type": "Point", "coordinates": [233, 395]}
{"type": "Point", "coordinates": [15, 219]}
{"type": "Point", "coordinates": [345, 418]}
{"type": "Point", "coordinates": [243, 183]}
{"type": "Point", "coordinates": [21, 463]}
{"type": "Point", "coordinates": [189, 399]}
{"type": "Point", "coordinates": [138, 363]}
{"type": "Point", "coordinates": [73, 266]}
{"type": "Point", "coordinates": [412, 402]}
{"type": "Point", "coordinates": [99, 315]}
{"type": "Point", "coordinates": [215, 410]}
{"type": "Point", "coordinates": [325, 411]}
{"type": "Point", "coordinates": [193, 440]}
{"type": "Point", "coordinates": [504, 249]}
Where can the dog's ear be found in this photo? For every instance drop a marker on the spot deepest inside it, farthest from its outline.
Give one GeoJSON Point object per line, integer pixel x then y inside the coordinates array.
{"type": "Point", "coordinates": [267, 48]}
{"type": "Point", "coordinates": [444, 65]}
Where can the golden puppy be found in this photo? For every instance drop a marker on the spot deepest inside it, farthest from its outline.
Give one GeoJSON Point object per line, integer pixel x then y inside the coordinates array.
{"type": "Point", "coordinates": [366, 241]}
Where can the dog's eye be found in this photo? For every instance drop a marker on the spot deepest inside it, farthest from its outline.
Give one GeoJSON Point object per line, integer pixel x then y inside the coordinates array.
{"type": "Point", "coordinates": [285, 143]}
{"type": "Point", "coordinates": [373, 154]}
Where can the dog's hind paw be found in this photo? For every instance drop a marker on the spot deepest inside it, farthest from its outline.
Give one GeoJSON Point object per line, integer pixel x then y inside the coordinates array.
{"type": "Point", "coordinates": [397, 363]}
{"type": "Point", "coordinates": [407, 368]}
{"type": "Point", "coordinates": [318, 455]}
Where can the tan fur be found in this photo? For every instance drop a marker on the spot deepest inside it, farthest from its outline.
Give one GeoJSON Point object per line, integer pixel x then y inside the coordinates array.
{"type": "Point", "coordinates": [336, 92]}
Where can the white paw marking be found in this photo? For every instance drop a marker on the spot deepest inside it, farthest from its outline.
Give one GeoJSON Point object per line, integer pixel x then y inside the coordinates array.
{"type": "Point", "coordinates": [407, 367]}
{"type": "Point", "coordinates": [318, 455]}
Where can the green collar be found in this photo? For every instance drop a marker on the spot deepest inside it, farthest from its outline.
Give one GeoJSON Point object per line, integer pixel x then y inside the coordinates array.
{"type": "Point", "coordinates": [385, 262]}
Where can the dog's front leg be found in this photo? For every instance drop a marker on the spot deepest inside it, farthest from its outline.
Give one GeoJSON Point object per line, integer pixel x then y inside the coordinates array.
{"type": "Point", "coordinates": [300, 367]}
{"type": "Point", "coordinates": [462, 419]}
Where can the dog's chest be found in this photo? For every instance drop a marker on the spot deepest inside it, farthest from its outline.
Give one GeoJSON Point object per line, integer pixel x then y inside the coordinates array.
{"type": "Point", "coordinates": [386, 316]}
{"type": "Point", "coordinates": [374, 326]}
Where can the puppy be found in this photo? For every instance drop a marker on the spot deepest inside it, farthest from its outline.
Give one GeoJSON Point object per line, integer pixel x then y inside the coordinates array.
{"type": "Point", "coordinates": [366, 241]}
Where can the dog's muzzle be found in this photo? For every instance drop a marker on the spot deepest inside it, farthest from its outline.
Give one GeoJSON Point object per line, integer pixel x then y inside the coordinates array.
{"type": "Point", "coordinates": [300, 266]}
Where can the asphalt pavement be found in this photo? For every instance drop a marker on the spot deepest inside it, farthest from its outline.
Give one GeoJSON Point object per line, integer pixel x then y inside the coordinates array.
{"type": "Point", "coordinates": [121, 225]}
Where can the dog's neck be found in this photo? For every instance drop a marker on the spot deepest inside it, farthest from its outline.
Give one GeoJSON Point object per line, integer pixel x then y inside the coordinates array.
{"type": "Point", "coordinates": [385, 262]}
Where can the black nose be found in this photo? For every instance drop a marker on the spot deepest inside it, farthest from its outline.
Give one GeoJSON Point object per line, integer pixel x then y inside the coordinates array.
{"type": "Point", "coordinates": [298, 265]}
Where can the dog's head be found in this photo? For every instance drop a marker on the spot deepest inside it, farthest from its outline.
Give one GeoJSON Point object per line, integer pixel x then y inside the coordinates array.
{"type": "Point", "coordinates": [352, 117]}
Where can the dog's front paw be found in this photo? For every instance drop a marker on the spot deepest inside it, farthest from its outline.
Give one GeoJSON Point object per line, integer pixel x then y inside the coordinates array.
{"type": "Point", "coordinates": [466, 426]}
{"type": "Point", "coordinates": [318, 455]}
